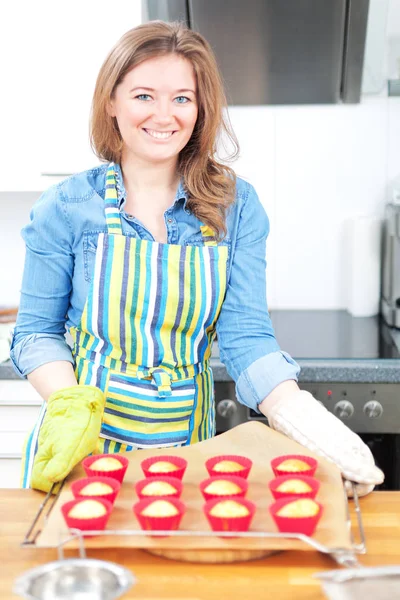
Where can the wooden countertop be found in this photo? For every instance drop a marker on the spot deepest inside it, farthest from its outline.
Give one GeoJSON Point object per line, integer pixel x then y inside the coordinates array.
{"type": "Point", "coordinates": [284, 576]}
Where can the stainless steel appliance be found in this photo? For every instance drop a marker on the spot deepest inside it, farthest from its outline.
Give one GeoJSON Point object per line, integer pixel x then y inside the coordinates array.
{"type": "Point", "coordinates": [325, 338]}
{"type": "Point", "coordinates": [279, 51]}
{"type": "Point", "coordinates": [390, 304]}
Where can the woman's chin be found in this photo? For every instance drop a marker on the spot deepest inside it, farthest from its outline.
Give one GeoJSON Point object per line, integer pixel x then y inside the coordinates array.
{"type": "Point", "coordinates": [156, 156]}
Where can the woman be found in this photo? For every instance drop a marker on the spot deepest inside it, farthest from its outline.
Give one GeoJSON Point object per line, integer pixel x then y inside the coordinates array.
{"type": "Point", "coordinates": [144, 259]}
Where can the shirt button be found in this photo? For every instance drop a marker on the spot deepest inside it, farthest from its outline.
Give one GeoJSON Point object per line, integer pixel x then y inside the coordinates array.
{"type": "Point", "coordinates": [187, 211]}
{"type": "Point", "coordinates": [169, 220]}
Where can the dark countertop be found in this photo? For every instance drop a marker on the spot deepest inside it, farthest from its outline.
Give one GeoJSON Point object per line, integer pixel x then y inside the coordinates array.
{"type": "Point", "coordinates": [331, 371]}
{"type": "Point", "coordinates": [313, 371]}
{"type": "Point", "coordinates": [343, 348]}
{"type": "Point", "coordinates": [7, 371]}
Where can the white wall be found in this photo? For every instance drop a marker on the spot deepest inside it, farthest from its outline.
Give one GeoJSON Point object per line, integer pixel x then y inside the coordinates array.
{"type": "Point", "coordinates": [314, 167]}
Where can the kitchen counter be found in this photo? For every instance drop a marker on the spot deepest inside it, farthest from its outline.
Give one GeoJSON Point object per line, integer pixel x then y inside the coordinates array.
{"type": "Point", "coordinates": [7, 371]}
{"type": "Point", "coordinates": [283, 576]}
{"type": "Point", "coordinates": [335, 370]}
{"type": "Point", "coordinates": [383, 370]}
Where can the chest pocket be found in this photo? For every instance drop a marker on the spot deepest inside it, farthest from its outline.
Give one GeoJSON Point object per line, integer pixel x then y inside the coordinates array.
{"type": "Point", "coordinates": [197, 240]}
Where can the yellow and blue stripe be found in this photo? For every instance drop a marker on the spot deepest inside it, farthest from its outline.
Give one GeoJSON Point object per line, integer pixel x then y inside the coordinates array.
{"type": "Point", "coordinates": [145, 338]}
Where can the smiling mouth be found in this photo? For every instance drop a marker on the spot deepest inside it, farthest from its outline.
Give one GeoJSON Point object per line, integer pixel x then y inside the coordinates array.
{"type": "Point", "coordinates": [159, 135]}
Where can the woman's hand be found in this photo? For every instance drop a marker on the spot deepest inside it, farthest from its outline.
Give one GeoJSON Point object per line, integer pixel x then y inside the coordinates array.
{"type": "Point", "coordinates": [69, 432]}
{"type": "Point", "coordinates": [302, 418]}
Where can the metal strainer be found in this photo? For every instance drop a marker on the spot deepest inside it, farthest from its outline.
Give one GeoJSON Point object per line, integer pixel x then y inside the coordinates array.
{"type": "Point", "coordinates": [362, 583]}
{"type": "Point", "coordinates": [357, 582]}
{"type": "Point", "coordinates": [74, 579]}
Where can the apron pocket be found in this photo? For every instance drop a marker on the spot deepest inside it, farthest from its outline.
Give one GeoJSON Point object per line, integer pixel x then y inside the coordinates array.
{"type": "Point", "coordinates": [136, 415]}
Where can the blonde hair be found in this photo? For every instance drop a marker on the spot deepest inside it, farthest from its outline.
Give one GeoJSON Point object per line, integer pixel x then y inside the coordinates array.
{"type": "Point", "coordinates": [209, 183]}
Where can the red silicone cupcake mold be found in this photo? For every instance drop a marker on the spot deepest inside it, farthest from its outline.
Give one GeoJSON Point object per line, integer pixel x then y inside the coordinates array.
{"type": "Point", "coordinates": [93, 523]}
{"type": "Point", "coordinates": [230, 523]}
{"type": "Point", "coordinates": [277, 494]}
{"type": "Point", "coordinates": [309, 460]}
{"type": "Point", "coordinates": [159, 523]}
{"type": "Point", "coordinates": [176, 483]}
{"type": "Point", "coordinates": [77, 487]}
{"type": "Point", "coordinates": [305, 525]}
{"type": "Point", "coordinates": [117, 474]}
{"type": "Point", "coordinates": [178, 461]}
{"type": "Point", "coordinates": [246, 463]}
{"type": "Point", "coordinates": [239, 481]}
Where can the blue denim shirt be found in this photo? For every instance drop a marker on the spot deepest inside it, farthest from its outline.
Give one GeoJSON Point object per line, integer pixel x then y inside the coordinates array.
{"type": "Point", "coordinates": [61, 242]}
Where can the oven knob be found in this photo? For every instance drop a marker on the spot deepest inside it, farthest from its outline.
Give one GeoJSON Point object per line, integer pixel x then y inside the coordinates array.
{"type": "Point", "coordinates": [373, 409]}
{"type": "Point", "coordinates": [226, 408]}
{"type": "Point", "coordinates": [343, 409]}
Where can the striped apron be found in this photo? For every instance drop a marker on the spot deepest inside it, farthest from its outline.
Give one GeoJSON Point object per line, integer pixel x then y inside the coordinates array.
{"type": "Point", "coordinates": [145, 338]}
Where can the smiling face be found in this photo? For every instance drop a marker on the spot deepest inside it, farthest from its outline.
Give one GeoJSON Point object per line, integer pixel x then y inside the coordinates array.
{"type": "Point", "coordinates": [156, 109]}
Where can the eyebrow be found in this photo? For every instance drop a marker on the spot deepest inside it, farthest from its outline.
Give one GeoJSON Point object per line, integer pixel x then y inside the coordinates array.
{"type": "Point", "coordinates": [152, 90]}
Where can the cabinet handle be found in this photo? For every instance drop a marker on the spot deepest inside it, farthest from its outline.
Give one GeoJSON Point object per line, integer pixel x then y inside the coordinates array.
{"type": "Point", "coordinates": [56, 174]}
{"type": "Point", "coordinates": [12, 455]}
{"type": "Point", "coordinates": [9, 404]}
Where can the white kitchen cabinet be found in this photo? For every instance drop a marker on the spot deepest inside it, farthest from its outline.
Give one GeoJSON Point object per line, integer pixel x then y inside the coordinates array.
{"type": "Point", "coordinates": [10, 472]}
{"type": "Point", "coordinates": [55, 51]}
{"type": "Point", "coordinates": [19, 409]}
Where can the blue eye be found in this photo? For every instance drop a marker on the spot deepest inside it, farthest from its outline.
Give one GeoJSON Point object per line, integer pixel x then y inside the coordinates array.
{"type": "Point", "coordinates": [143, 97]}
{"type": "Point", "coordinates": [182, 99]}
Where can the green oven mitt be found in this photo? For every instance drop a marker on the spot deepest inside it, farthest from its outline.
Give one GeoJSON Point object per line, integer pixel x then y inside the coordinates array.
{"type": "Point", "coordinates": [69, 433]}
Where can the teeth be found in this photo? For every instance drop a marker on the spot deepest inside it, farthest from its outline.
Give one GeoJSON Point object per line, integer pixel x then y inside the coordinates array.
{"type": "Point", "coordinates": [162, 135]}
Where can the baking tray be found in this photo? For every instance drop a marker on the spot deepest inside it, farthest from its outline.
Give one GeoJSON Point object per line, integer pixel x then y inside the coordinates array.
{"type": "Point", "coordinates": [254, 440]}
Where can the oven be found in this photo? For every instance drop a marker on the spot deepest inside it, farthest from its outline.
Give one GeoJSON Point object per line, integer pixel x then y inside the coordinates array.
{"type": "Point", "coordinates": [344, 361]}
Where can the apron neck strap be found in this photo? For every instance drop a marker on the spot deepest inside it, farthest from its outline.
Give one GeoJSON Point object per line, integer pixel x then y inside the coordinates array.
{"type": "Point", "coordinates": [208, 235]}
{"type": "Point", "coordinates": [113, 217]}
{"type": "Point", "coordinates": [111, 209]}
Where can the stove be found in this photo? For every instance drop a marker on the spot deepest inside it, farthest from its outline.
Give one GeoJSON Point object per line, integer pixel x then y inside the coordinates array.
{"type": "Point", "coordinates": [328, 340]}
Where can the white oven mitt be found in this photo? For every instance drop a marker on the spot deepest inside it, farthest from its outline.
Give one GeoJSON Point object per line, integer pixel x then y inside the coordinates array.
{"type": "Point", "coordinates": [303, 419]}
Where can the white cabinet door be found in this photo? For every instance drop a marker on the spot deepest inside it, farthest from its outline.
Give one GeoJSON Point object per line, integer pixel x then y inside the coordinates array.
{"type": "Point", "coordinates": [10, 469]}
{"type": "Point", "coordinates": [20, 96]}
{"type": "Point", "coordinates": [17, 392]}
{"type": "Point", "coordinates": [19, 409]}
{"type": "Point", "coordinates": [55, 51]}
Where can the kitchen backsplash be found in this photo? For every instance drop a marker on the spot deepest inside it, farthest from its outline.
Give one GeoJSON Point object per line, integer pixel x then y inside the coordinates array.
{"type": "Point", "coordinates": [313, 167]}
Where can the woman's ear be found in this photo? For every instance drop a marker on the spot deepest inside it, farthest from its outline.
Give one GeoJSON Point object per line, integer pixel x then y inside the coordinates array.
{"type": "Point", "coordinates": [110, 108]}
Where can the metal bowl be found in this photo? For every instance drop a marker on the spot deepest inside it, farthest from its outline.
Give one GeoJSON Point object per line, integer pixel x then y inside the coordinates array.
{"type": "Point", "coordinates": [74, 579]}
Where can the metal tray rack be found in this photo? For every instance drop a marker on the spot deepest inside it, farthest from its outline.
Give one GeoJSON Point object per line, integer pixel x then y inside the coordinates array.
{"type": "Point", "coordinates": [345, 557]}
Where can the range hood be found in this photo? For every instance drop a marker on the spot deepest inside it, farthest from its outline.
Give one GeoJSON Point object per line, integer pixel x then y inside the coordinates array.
{"type": "Point", "coordinates": [279, 51]}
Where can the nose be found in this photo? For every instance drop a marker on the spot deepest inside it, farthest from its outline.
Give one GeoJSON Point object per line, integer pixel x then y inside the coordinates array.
{"type": "Point", "coordinates": [163, 112]}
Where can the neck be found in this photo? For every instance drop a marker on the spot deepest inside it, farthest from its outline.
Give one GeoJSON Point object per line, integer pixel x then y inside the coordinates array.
{"type": "Point", "coordinates": [141, 176]}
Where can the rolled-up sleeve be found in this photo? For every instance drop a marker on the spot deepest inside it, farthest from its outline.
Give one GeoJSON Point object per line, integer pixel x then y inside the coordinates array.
{"type": "Point", "coordinates": [246, 337]}
{"type": "Point", "coordinates": [38, 336]}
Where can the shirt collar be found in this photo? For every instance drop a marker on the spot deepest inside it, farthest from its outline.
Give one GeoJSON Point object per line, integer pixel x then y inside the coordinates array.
{"type": "Point", "coordinates": [181, 194]}
{"type": "Point", "coordinates": [119, 182]}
